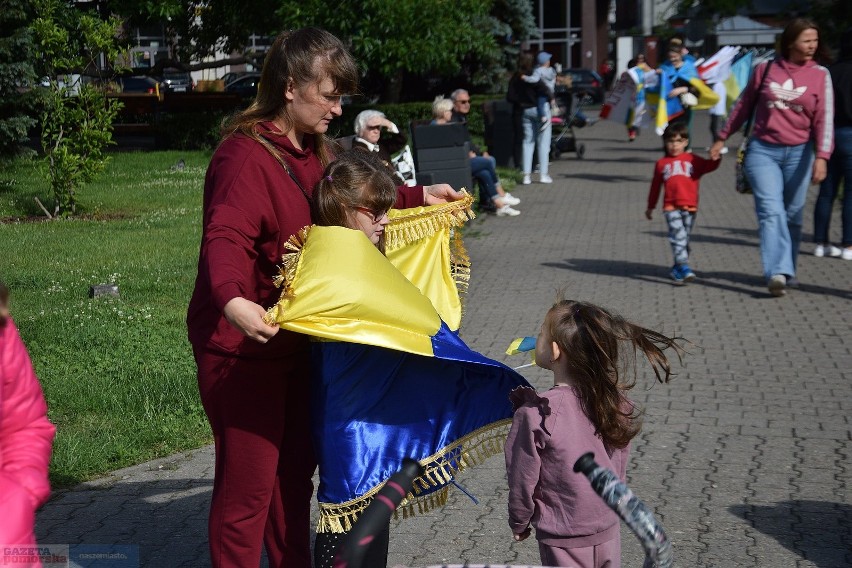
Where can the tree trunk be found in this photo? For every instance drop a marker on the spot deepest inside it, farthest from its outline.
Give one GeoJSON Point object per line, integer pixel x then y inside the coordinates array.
{"type": "Point", "coordinates": [393, 87]}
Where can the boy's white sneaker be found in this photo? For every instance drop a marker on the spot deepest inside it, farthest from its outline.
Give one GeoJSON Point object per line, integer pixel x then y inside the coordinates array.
{"type": "Point", "coordinates": [510, 199]}
{"type": "Point", "coordinates": [527, 180]}
{"type": "Point", "coordinates": [507, 211]}
{"type": "Point", "coordinates": [847, 253]}
{"type": "Point", "coordinates": [544, 178]}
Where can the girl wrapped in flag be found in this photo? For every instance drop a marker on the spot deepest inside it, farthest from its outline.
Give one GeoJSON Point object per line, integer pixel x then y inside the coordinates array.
{"type": "Point", "coordinates": [392, 379]}
{"type": "Point", "coordinates": [680, 90]}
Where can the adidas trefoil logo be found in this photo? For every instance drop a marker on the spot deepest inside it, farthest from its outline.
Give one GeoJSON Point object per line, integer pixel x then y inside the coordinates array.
{"type": "Point", "coordinates": [785, 93]}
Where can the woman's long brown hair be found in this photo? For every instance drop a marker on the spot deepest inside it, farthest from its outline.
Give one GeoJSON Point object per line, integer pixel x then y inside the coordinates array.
{"type": "Point", "coordinates": [294, 56]}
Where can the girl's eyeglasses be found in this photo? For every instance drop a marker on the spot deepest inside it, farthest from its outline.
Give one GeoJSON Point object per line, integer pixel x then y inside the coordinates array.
{"type": "Point", "coordinates": [374, 216]}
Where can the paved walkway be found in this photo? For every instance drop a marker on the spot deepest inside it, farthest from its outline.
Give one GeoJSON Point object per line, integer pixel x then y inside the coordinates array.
{"type": "Point", "coordinates": [744, 457]}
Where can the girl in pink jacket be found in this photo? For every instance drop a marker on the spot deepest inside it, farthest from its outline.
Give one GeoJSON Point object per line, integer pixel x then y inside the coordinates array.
{"type": "Point", "coordinates": [587, 410]}
{"type": "Point", "coordinates": [26, 438]}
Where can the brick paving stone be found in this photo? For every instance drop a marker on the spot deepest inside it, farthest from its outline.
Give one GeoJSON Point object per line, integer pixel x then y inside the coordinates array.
{"type": "Point", "coordinates": [743, 456]}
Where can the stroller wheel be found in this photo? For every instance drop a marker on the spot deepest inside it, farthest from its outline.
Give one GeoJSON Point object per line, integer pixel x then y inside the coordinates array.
{"type": "Point", "coordinates": [555, 153]}
{"type": "Point", "coordinates": [581, 151]}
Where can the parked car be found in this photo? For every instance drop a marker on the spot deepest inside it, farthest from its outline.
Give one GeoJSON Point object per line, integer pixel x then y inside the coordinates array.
{"type": "Point", "coordinates": [245, 86]}
{"type": "Point", "coordinates": [177, 81]}
{"type": "Point", "coordinates": [583, 81]}
{"type": "Point", "coordinates": [140, 84]}
{"type": "Point", "coordinates": [232, 76]}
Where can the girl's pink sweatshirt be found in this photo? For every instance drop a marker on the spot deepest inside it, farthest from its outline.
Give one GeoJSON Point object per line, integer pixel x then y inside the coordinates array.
{"type": "Point", "coordinates": [26, 438]}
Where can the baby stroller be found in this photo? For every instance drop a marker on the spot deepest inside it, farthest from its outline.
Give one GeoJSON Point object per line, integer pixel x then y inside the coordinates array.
{"type": "Point", "coordinates": [572, 116]}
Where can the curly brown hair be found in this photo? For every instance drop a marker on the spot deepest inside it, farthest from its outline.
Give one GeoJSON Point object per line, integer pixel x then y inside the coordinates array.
{"type": "Point", "coordinates": [592, 338]}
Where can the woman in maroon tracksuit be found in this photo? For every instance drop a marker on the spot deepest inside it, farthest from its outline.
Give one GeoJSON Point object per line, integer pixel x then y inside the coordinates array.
{"type": "Point", "coordinates": [253, 378]}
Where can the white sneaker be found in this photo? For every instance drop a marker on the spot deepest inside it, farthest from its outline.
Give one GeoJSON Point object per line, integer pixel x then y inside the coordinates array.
{"type": "Point", "coordinates": [507, 211]}
{"type": "Point", "coordinates": [827, 250]}
{"type": "Point", "coordinates": [847, 253]}
{"type": "Point", "coordinates": [724, 150]}
{"type": "Point", "coordinates": [510, 199]}
{"type": "Point", "coordinates": [777, 285]}
{"type": "Point", "coordinates": [545, 179]}
{"type": "Point", "coordinates": [527, 179]}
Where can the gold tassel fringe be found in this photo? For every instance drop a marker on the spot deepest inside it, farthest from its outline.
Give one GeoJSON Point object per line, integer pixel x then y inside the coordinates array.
{"type": "Point", "coordinates": [287, 271]}
{"type": "Point", "coordinates": [421, 222]}
{"type": "Point", "coordinates": [441, 468]}
{"type": "Point", "coordinates": [459, 267]}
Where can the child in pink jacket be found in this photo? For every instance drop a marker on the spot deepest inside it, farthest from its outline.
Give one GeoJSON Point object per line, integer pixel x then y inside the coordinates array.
{"type": "Point", "coordinates": [586, 410]}
{"type": "Point", "coordinates": [26, 438]}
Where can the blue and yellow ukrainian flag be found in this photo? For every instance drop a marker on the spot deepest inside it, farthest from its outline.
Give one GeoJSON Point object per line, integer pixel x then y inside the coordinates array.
{"type": "Point", "coordinates": [738, 79]}
{"type": "Point", "coordinates": [667, 109]}
{"type": "Point", "coordinates": [392, 378]}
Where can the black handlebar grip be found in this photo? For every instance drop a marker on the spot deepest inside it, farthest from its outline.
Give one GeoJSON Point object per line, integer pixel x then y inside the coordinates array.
{"type": "Point", "coordinates": [585, 463]}
{"type": "Point", "coordinates": [377, 515]}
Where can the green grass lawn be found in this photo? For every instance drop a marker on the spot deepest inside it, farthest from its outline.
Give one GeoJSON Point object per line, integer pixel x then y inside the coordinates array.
{"type": "Point", "coordinates": [118, 374]}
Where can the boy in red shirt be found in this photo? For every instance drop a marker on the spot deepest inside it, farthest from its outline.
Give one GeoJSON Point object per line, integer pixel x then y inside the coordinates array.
{"type": "Point", "coordinates": [678, 173]}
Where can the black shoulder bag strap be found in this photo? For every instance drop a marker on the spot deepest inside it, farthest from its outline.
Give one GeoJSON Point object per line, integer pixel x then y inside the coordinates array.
{"type": "Point", "coordinates": [750, 123]}
{"type": "Point", "coordinates": [280, 159]}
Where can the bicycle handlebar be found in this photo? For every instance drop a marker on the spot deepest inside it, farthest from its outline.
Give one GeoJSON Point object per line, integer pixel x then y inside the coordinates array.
{"type": "Point", "coordinates": [635, 514]}
{"type": "Point", "coordinates": [377, 515]}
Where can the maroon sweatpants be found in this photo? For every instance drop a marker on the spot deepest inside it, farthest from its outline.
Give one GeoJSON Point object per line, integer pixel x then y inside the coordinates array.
{"type": "Point", "coordinates": [604, 555]}
{"type": "Point", "coordinates": [259, 411]}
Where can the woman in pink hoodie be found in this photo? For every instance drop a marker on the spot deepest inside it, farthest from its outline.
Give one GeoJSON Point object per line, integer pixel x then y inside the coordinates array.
{"type": "Point", "coordinates": [26, 438]}
{"type": "Point", "coordinates": [792, 100]}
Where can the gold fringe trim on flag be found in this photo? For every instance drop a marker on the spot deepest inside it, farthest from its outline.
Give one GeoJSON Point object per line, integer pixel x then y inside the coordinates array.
{"type": "Point", "coordinates": [418, 223]}
{"type": "Point", "coordinates": [459, 267]}
{"type": "Point", "coordinates": [408, 226]}
{"type": "Point", "coordinates": [287, 271]}
{"type": "Point", "coordinates": [441, 468]}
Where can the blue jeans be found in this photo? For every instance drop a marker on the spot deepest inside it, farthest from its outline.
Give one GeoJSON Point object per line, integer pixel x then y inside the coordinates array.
{"type": "Point", "coordinates": [542, 105]}
{"type": "Point", "coordinates": [839, 168]}
{"type": "Point", "coordinates": [536, 138]}
{"type": "Point", "coordinates": [483, 170]}
{"type": "Point", "coordinates": [779, 177]}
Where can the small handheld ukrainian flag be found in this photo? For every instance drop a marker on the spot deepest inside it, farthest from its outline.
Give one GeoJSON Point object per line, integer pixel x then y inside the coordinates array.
{"type": "Point", "coordinates": [523, 345]}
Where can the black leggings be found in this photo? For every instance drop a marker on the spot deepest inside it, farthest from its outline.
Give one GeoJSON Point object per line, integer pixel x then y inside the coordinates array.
{"type": "Point", "coordinates": [326, 544]}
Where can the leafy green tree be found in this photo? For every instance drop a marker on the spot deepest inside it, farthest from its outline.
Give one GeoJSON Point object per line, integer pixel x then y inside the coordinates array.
{"type": "Point", "coordinates": [391, 37]}
{"type": "Point", "coordinates": [833, 17]}
{"type": "Point", "coordinates": [76, 115]}
{"type": "Point", "coordinates": [204, 29]}
{"type": "Point", "coordinates": [511, 24]}
{"type": "Point", "coordinates": [16, 77]}
{"type": "Point", "coordinates": [469, 42]}
{"type": "Point", "coordinates": [707, 9]}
